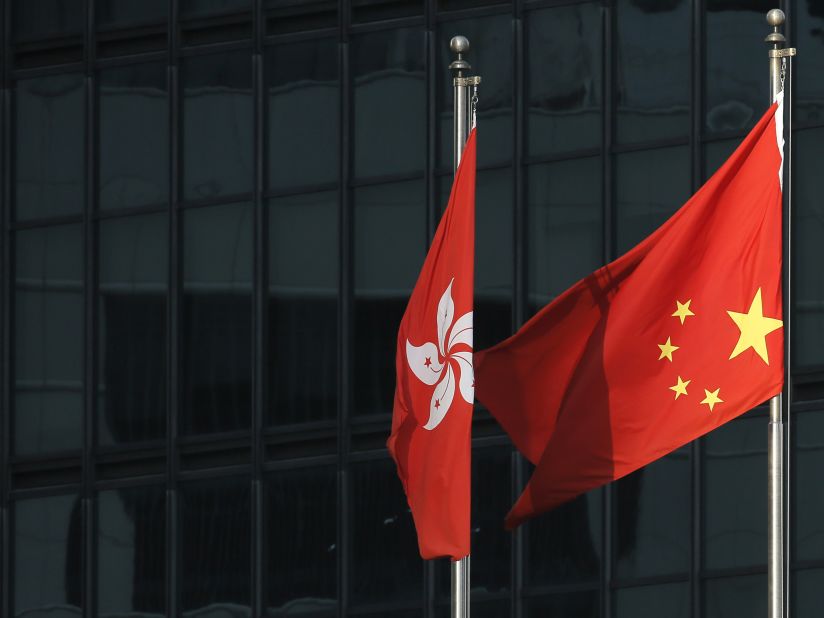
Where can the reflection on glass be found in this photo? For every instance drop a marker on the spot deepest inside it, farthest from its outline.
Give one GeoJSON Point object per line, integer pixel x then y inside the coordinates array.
{"type": "Point", "coordinates": [670, 600]}
{"type": "Point", "coordinates": [808, 90]}
{"type": "Point", "coordinates": [131, 388]}
{"type": "Point", "coordinates": [388, 70]}
{"type": "Point", "coordinates": [131, 556]}
{"type": "Point", "coordinates": [730, 597]}
{"type": "Point", "coordinates": [390, 235]}
{"type": "Point", "coordinates": [133, 136]}
{"type": "Point", "coordinates": [120, 14]}
{"type": "Point", "coordinates": [735, 495]}
{"type": "Point", "coordinates": [808, 212]}
{"type": "Point", "coordinates": [48, 340]}
{"type": "Point", "coordinates": [302, 544]}
{"type": "Point", "coordinates": [42, 19]}
{"type": "Point", "coordinates": [300, 15]}
{"type": "Point", "coordinates": [652, 519]}
{"type": "Point", "coordinates": [217, 319]}
{"type": "Point", "coordinates": [572, 604]}
{"type": "Point", "coordinates": [376, 10]}
{"type": "Point", "coordinates": [808, 512]}
{"type": "Point", "coordinates": [49, 146]}
{"type": "Point", "coordinates": [564, 94]}
{"type": "Point", "coordinates": [651, 185]}
{"type": "Point", "coordinates": [303, 91]}
{"type": "Point", "coordinates": [303, 292]}
{"type": "Point", "coordinates": [47, 554]}
{"type": "Point", "coordinates": [564, 545]}
{"type": "Point", "coordinates": [736, 73]}
{"type": "Point", "coordinates": [653, 62]}
{"type": "Point", "coordinates": [491, 39]}
{"type": "Point", "coordinates": [217, 125]}
{"type": "Point", "coordinates": [564, 226]}
{"type": "Point", "coordinates": [215, 548]}
{"type": "Point", "coordinates": [386, 565]}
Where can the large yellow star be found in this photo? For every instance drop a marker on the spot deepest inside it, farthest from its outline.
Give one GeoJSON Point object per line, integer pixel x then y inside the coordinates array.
{"type": "Point", "coordinates": [712, 398]}
{"type": "Point", "coordinates": [680, 388]}
{"type": "Point", "coordinates": [683, 310]}
{"type": "Point", "coordinates": [754, 329]}
{"type": "Point", "coordinates": [667, 349]}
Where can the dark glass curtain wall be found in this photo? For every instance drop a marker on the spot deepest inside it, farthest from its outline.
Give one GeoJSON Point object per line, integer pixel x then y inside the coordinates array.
{"type": "Point", "coordinates": [213, 213]}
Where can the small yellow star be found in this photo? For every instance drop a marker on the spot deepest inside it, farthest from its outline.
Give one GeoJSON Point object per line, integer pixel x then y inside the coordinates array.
{"type": "Point", "coordinates": [712, 398]}
{"type": "Point", "coordinates": [683, 310]}
{"type": "Point", "coordinates": [754, 329]}
{"type": "Point", "coordinates": [667, 349]}
{"type": "Point", "coordinates": [680, 388]}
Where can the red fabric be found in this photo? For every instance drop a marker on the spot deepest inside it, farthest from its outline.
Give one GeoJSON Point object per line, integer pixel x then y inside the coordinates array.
{"type": "Point", "coordinates": [432, 416]}
{"type": "Point", "coordinates": [584, 388]}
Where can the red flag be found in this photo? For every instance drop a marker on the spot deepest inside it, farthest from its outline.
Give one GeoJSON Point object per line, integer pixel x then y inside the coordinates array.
{"type": "Point", "coordinates": [432, 416]}
{"type": "Point", "coordinates": [676, 337]}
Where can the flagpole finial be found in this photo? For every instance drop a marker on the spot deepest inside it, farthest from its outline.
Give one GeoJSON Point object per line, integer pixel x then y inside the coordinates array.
{"type": "Point", "coordinates": [459, 45]}
{"type": "Point", "coordinates": [776, 19]}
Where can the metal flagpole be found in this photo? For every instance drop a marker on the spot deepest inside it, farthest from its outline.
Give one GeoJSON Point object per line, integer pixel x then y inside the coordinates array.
{"type": "Point", "coordinates": [466, 88]}
{"type": "Point", "coordinates": [778, 429]}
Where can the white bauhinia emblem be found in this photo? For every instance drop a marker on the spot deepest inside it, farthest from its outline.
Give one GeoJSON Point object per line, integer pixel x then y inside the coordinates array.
{"type": "Point", "coordinates": [439, 365]}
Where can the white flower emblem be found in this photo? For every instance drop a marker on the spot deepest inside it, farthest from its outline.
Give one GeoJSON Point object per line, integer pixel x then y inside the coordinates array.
{"type": "Point", "coordinates": [438, 364]}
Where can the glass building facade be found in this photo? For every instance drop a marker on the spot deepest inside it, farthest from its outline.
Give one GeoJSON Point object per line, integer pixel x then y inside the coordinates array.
{"type": "Point", "coordinates": [213, 213]}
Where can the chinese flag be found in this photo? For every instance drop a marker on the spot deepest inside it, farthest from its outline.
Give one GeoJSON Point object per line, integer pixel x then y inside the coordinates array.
{"type": "Point", "coordinates": [676, 337]}
{"type": "Point", "coordinates": [432, 416]}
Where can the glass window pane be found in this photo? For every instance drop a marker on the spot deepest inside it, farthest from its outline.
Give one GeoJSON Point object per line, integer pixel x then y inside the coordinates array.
{"type": "Point", "coordinates": [386, 565]}
{"type": "Point", "coordinates": [716, 153]}
{"type": "Point", "coordinates": [217, 125]}
{"type": "Point", "coordinates": [806, 599]}
{"type": "Point", "coordinates": [49, 146]}
{"type": "Point", "coordinates": [564, 545]}
{"type": "Point", "coordinates": [568, 605]}
{"type": "Point", "coordinates": [808, 90]}
{"type": "Point", "coordinates": [650, 186]}
{"type": "Point", "coordinates": [653, 62]}
{"type": "Point", "coordinates": [564, 94]}
{"type": "Point", "coordinates": [302, 542]}
{"type": "Point", "coordinates": [670, 600]}
{"type": "Point", "coordinates": [808, 504]}
{"type": "Point", "coordinates": [134, 136]}
{"type": "Point", "coordinates": [300, 15]}
{"type": "Point", "coordinates": [303, 293]}
{"type": "Point", "coordinates": [215, 548]}
{"type": "Point", "coordinates": [132, 295]}
{"type": "Point", "coordinates": [304, 103]}
{"type": "Point", "coordinates": [735, 495]}
{"type": "Point", "coordinates": [217, 319]}
{"type": "Point", "coordinates": [733, 597]}
{"type": "Point", "coordinates": [390, 235]}
{"type": "Point", "coordinates": [808, 228]}
{"type": "Point", "coordinates": [47, 554]}
{"type": "Point", "coordinates": [48, 340]}
{"type": "Point", "coordinates": [42, 19]}
{"type": "Point", "coordinates": [389, 102]}
{"type": "Point", "coordinates": [204, 8]}
{"type": "Point", "coordinates": [375, 10]}
{"type": "Point", "coordinates": [131, 555]}
{"type": "Point", "coordinates": [491, 51]}
{"type": "Point", "coordinates": [652, 510]}
{"type": "Point", "coordinates": [564, 226]}
{"type": "Point", "coordinates": [128, 13]}
{"type": "Point", "coordinates": [736, 74]}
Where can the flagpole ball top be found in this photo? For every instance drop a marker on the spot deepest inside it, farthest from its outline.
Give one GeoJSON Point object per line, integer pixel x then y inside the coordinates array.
{"type": "Point", "coordinates": [776, 18]}
{"type": "Point", "coordinates": [460, 44]}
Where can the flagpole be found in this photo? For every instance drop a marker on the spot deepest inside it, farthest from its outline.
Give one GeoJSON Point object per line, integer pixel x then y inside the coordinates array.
{"type": "Point", "coordinates": [778, 573]}
{"type": "Point", "coordinates": [463, 122]}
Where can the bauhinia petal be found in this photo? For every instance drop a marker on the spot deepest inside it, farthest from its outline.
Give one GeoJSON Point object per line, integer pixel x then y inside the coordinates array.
{"type": "Point", "coordinates": [423, 361]}
{"type": "Point", "coordinates": [446, 312]}
{"type": "Point", "coordinates": [466, 382]}
{"type": "Point", "coordinates": [441, 399]}
{"type": "Point", "coordinates": [461, 331]}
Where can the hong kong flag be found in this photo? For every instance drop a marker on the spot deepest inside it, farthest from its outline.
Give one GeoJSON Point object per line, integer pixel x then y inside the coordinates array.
{"type": "Point", "coordinates": [676, 337]}
{"type": "Point", "coordinates": [432, 416]}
